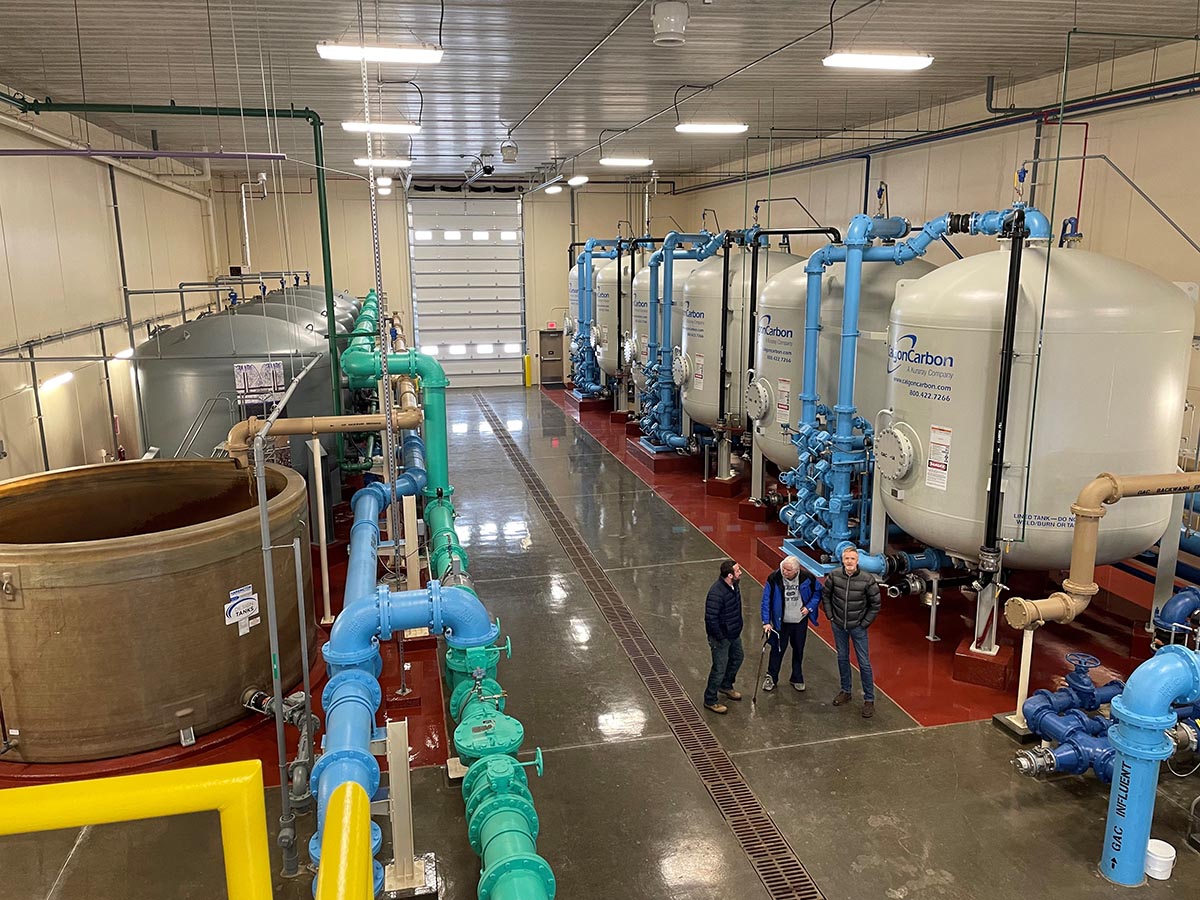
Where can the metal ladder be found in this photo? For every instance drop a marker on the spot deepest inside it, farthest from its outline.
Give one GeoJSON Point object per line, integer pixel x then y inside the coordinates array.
{"type": "Point", "coordinates": [193, 432]}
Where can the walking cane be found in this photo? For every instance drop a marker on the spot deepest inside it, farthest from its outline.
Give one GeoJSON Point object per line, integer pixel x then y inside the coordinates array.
{"type": "Point", "coordinates": [758, 675]}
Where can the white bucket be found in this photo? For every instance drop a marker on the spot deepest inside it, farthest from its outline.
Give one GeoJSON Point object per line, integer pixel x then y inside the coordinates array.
{"type": "Point", "coordinates": [1160, 859]}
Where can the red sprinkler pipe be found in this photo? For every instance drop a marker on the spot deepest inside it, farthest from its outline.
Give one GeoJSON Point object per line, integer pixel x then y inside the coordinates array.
{"type": "Point", "coordinates": [1046, 119]}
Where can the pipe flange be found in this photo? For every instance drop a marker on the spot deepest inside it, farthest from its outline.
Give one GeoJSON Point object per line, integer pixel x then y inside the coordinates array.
{"type": "Point", "coordinates": [758, 399]}
{"type": "Point", "coordinates": [893, 454]}
{"type": "Point", "coordinates": [460, 697]}
{"type": "Point", "coordinates": [525, 862]}
{"type": "Point", "coordinates": [515, 789]}
{"type": "Point", "coordinates": [681, 370]}
{"type": "Point", "coordinates": [347, 754]}
{"type": "Point", "coordinates": [348, 659]}
{"type": "Point", "coordinates": [352, 685]}
{"type": "Point", "coordinates": [497, 804]}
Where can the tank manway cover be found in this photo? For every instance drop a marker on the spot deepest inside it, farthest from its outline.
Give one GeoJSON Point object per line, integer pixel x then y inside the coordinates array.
{"type": "Point", "coordinates": [893, 454]}
{"type": "Point", "coordinates": [758, 400]}
{"type": "Point", "coordinates": [630, 348]}
{"type": "Point", "coordinates": [681, 370]}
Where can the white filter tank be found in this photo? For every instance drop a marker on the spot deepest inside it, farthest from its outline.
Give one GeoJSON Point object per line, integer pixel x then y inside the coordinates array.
{"type": "Point", "coordinates": [608, 332]}
{"type": "Point", "coordinates": [1108, 396]}
{"type": "Point", "coordinates": [772, 399]}
{"type": "Point", "coordinates": [639, 340]}
{"type": "Point", "coordinates": [697, 369]}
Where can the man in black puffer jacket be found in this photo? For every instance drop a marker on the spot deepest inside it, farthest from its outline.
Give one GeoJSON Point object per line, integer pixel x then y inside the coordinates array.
{"type": "Point", "coordinates": [851, 602]}
{"type": "Point", "coordinates": [723, 625]}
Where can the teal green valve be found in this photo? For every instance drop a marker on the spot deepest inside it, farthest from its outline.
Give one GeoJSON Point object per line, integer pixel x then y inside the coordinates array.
{"type": "Point", "coordinates": [461, 664]}
{"type": "Point", "coordinates": [502, 826]}
{"type": "Point", "coordinates": [484, 729]}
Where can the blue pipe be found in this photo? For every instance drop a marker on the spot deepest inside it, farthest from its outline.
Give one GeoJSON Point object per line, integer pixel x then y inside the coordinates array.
{"type": "Point", "coordinates": [586, 372]}
{"type": "Point", "coordinates": [1143, 711]}
{"type": "Point", "coordinates": [1173, 617]}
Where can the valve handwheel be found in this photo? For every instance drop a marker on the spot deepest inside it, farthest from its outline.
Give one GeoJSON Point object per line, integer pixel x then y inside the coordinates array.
{"type": "Point", "coordinates": [1083, 660]}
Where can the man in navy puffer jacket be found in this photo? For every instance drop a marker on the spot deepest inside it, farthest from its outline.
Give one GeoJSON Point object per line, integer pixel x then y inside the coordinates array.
{"type": "Point", "coordinates": [723, 625]}
{"type": "Point", "coordinates": [789, 603]}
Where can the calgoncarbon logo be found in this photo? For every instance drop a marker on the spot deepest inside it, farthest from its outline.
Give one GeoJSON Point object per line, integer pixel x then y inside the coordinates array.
{"type": "Point", "coordinates": [904, 350]}
{"type": "Point", "coordinates": [693, 313]}
{"type": "Point", "coordinates": [766, 329]}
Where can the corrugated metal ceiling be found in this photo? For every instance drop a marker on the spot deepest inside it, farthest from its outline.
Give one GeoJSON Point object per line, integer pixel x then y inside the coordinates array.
{"type": "Point", "coordinates": [502, 56]}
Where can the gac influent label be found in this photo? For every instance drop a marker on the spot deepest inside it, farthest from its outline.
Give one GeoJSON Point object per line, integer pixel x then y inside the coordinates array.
{"type": "Point", "coordinates": [927, 374]}
{"type": "Point", "coordinates": [905, 350]}
{"type": "Point", "coordinates": [775, 343]}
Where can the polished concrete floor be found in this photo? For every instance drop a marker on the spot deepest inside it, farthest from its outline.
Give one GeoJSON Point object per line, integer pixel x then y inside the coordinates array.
{"type": "Point", "coordinates": [880, 808]}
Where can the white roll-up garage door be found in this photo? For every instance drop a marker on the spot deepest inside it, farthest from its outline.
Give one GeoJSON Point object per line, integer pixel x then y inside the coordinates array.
{"type": "Point", "coordinates": [468, 282]}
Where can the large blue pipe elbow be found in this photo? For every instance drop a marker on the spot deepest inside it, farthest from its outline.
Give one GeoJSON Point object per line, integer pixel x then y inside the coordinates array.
{"type": "Point", "coordinates": [458, 613]}
{"type": "Point", "coordinates": [1143, 711]}
{"type": "Point", "coordinates": [1175, 612]}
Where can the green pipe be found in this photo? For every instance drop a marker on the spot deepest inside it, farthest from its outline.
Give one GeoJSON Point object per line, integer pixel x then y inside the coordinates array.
{"type": "Point", "coordinates": [38, 107]}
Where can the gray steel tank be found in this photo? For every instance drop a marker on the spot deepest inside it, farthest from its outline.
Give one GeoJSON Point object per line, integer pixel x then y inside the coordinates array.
{"type": "Point", "coordinates": [300, 316]}
{"type": "Point", "coordinates": [117, 630]}
{"type": "Point", "coordinates": [182, 368]}
{"type": "Point", "coordinates": [696, 369]}
{"type": "Point", "coordinates": [1099, 385]}
{"type": "Point", "coordinates": [312, 296]}
{"type": "Point", "coordinates": [772, 399]}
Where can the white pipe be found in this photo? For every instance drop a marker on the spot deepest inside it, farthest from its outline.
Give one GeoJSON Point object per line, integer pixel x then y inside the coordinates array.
{"type": "Point", "coordinates": [319, 490]}
{"type": "Point", "coordinates": [1023, 677]}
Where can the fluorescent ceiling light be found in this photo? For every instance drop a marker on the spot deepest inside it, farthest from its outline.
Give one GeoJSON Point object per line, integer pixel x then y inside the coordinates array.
{"type": "Point", "coordinates": [554, 189]}
{"type": "Point", "coordinates": [51, 383]}
{"type": "Point", "coordinates": [383, 162]}
{"type": "Point", "coordinates": [577, 180]}
{"type": "Point", "coordinates": [711, 127]}
{"type": "Point", "coordinates": [383, 191]}
{"type": "Point", "coordinates": [626, 162]}
{"type": "Point", "coordinates": [123, 354]}
{"type": "Point", "coordinates": [386, 181]}
{"type": "Point", "coordinates": [382, 127]}
{"type": "Point", "coordinates": [892, 61]}
{"type": "Point", "coordinates": [395, 53]}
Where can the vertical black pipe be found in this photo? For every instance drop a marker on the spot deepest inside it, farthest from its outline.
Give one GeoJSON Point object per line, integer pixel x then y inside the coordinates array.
{"type": "Point", "coordinates": [37, 407]}
{"type": "Point", "coordinates": [112, 410]}
{"type": "Point", "coordinates": [990, 551]}
{"type": "Point", "coordinates": [620, 298]}
{"type": "Point", "coordinates": [721, 371]}
{"type": "Point", "coordinates": [752, 343]}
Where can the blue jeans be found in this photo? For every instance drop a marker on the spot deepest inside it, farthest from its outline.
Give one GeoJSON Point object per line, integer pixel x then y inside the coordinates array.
{"type": "Point", "coordinates": [841, 640]}
{"type": "Point", "coordinates": [792, 634]}
{"type": "Point", "coordinates": [727, 656]}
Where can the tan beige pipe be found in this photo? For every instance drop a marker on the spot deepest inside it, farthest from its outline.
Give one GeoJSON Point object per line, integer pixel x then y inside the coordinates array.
{"type": "Point", "coordinates": [243, 433]}
{"type": "Point", "coordinates": [1080, 586]}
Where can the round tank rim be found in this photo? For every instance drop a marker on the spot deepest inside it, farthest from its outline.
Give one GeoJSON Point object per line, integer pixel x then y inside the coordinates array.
{"type": "Point", "coordinates": [164, 540]}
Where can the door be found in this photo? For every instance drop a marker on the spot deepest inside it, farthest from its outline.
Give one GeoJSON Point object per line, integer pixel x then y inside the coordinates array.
{"type": "Point", "coordinates": [466, 256]}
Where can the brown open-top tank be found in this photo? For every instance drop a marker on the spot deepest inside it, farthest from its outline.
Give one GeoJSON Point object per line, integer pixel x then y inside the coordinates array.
{"type": "Point", "coordinates": [117, 626]}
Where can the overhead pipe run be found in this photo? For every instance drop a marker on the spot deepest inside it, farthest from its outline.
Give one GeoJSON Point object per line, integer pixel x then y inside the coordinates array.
{"type": "Point", "coordinates": [242, 435]}
{"type": "Point", "coordinates": [1088, 508]}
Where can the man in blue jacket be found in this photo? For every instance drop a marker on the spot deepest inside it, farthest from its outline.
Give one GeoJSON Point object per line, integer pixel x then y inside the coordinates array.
{"type": "Point", "coordinates": [789, 604]}
{"type": "Point", "coordinates": [723, 624]}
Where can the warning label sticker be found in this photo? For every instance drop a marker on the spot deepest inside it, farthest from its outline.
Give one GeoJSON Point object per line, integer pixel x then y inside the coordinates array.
{"type": "Point", "coordinates": [783, 400]}
{"type": "Point", "coordinates": [937, 470]}
{"type": "Point", "coordinates": [698, 377]}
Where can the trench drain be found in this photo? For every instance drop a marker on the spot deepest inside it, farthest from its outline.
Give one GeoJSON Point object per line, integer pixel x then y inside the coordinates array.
{"type": "Point", "coordinates": [769, 853]}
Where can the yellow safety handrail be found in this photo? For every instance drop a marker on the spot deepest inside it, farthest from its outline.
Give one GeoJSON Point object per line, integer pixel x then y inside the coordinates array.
{"type": "Point", "coordinates": [235, 790]}
{"type": "Point", "coordinates": [347, 870]}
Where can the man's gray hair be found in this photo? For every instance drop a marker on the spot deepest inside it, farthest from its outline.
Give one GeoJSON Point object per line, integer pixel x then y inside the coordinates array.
{"type": "Point", "coordinates": [790, 561]}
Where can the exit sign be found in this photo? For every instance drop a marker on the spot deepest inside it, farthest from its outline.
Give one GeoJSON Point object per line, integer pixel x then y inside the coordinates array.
{"type": "Point", "coordinates": [551, 325]}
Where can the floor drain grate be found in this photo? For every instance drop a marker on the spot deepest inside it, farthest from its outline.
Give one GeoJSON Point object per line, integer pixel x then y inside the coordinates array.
{"type": "Point", "coordinates": [779, 869]}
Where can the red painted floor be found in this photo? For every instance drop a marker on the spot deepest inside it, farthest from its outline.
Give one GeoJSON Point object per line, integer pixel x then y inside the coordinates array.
{"type": "Point", "coordinates": [420, 702]}
{"type": "Point", "coordinates": [916, 673]}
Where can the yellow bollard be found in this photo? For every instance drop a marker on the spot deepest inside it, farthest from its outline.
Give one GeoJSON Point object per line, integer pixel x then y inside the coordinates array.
{"type": "Point", "coordinates": [347, 870]}
{"type": "Point", "coordinates": [528, 370]}
{"type": "Point", "coordinates": [234, 790]}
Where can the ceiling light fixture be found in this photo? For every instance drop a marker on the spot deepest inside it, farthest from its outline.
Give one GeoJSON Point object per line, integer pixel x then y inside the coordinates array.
{"type": "Point", "coordinates": [892, 62]}
{"type": "Point", "coordinates": [508, 150]}
{"type": "Point", "coordinates": [420, 54]}
{"type": "Point", "coordinates": [383, 181]}
{"type": "Point", "coordinates": [554, 189]}
{"type": "Point", "coordinates": [383, 162]}
{"type": "Point", "coordinates": [577, 180]}
{"type": "Point", "coordinates": [123, 354]}
{"type": "Point", "coordinates": [382, 127]}
{"type": "Point", "coordinates": [626, 162]}
{"type": "Point", "coordinates": [550, 186]}
{"type": "Point", "coordinates": [670, 18]}
{"type": "Point", "coordinates": [711, 127]}
{"type": "Point", "coordinates": [383, 191]}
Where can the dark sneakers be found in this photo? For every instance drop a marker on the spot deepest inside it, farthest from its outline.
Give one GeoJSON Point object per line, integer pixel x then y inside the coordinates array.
{"type": "Point", "coordinates": [868, 709]}
{"type": "Point", "coordinates": [841, 699]}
